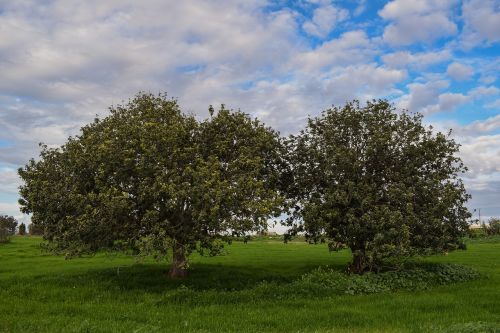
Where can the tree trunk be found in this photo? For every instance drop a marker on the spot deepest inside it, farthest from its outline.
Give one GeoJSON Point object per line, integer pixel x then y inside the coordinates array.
{"type": "Point", "coordinates": [178, 270]}
{"type": "Point", "coordinates": [358, 264]}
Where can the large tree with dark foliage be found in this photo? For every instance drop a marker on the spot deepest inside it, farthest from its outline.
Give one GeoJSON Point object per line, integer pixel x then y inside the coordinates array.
{"type": "Point", "coordinates": [8, 226]}
{"type": "Point", "coordinates": [378, 182]}
{"type": "Point", "coordinates": [155, 180]}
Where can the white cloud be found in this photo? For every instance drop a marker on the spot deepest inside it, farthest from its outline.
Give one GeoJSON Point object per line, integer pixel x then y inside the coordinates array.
{"type": "Point", "coordinates": [459, 72]}
{"type": "Point", "coordinates": [137, 43]}
{"type": "Point", "coordinates": [479, 127]}
{"type": "Point", "coordinates": [422, 95]}
{"type": "Point", "coordinates": [417, 21]}
{"type": "Point", "coordinates": [449, 101]}
{"type": "Point", "coordinates": [310, 94]}
{"type": "Point", "coordinates": [481, 154]}
{"type": "Point", "coordinates": [482, 20]}
{"type": "Point", "coordinates": [9, 181]}
{"type": "Point", "coordinates": [422, 60]}
{"type": "Point", "coordinates": [365, 81]}
{"type": "Point", "coordinates": [430, 97]}
{"type": "Point", "coordinates": [397, 9]}
{"type": "Point", "coordinates": [446, 102]}
{"type": "Point", "coordinates": [482, 91]}
{"type": "Point", "coordinates": [350, 48]}
{"type": "Point", "coordinates": [360, 8]}
{"type": "Point", "coordinates": [8, 208]}
{"type": "Point", "coordinates": [493, 105]}
{"type": "Point", "coordinates": [485, 191]}
{"type": "Point", "coordinates": [324, 20]}
{"type": "Point", "coordinates": [63, 63]}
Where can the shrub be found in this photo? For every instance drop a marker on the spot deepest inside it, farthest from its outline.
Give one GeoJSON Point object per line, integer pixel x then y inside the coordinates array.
{"type": "Point", "coordinates": [418, 277]}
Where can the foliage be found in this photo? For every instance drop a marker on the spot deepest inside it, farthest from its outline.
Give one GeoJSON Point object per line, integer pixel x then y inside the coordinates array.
{"type": "Point", "coordinates": [477, 232]}
{"type": "Point", "coordinates": [8, 226]}
{"type": "Point", "coordinates": [151, 178]}
{"type": "Point", "coordinates": [493, 227]}
{"type": "Point", "coordinates": [378, 182]}
{"type": "Point", "coordinates": [35, 229]}
{"type": "Point", "coordinates": [487, 239]}
{"type": "Point", "coordinates": [22, 229]}
{"type": "Point", "coordinates": [326, 281]}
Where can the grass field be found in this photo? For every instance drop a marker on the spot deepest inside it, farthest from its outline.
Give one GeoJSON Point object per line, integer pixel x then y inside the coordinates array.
{"type": "Point", "coordinates": [45, 293]}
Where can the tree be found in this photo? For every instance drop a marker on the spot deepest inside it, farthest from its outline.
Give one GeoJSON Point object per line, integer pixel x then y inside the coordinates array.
{"type": "Point", "coordinates": [22, 229]}
{"type": "Point", "coordinates": [378, 182]}
{"type": "Point", "coordinates": [35, 230]}
{"type": "Point", "coordinates": [493, 226]}
{"type": "Point", "coordinates": [8, 226]}
{"type": "Point", "coordinates": [153, 179]}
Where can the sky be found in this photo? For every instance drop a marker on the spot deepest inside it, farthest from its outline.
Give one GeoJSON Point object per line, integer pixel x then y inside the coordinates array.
{"type": "Point", "coordinates": [63, 62]}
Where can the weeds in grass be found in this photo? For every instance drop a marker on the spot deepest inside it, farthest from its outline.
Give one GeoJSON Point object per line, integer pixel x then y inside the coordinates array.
{"type": "Point", "coordinates": [328, 282]}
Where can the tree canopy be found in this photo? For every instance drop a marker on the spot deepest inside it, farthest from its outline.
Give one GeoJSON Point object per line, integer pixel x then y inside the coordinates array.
{"type": "Point", "coordinates": [35, 230]}
{"type": "Point", "coordinates": [157, 181]}
{"type": "Point", "coordinates": [153, 179]}
{"type": "Point", "coordinates": [378, 182]}
{"type": "Point", "coordinates": [8, 226]}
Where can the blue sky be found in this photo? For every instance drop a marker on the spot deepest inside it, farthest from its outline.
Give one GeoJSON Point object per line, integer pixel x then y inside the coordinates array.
{"type": "Point", "coordinates": [63, 62]}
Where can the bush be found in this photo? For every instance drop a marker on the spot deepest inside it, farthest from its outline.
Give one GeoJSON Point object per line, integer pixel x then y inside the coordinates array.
{"type": "Point", "coordinates": [413, 278]}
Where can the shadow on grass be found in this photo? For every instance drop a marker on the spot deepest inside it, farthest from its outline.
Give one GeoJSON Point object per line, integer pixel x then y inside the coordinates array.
{"type": "Point", "coordinates": [153, 278]}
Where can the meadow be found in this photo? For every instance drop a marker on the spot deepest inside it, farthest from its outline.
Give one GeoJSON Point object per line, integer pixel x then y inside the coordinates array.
{"type": "Point", "coordinates": [40, 292]}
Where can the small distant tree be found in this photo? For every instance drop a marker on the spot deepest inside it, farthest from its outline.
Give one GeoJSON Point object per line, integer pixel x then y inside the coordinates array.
{"type": "Point", "coordinates": [155, 180]}
{"type": "Point", "coordinates": [493, 226]}
{"type": "Point", "coordinates": [379, 182]}
{"type": "Point", "coordinates": [22, 229]}
{"type": "Point", "coordinates": [35, 229]}
{"type": "Point", "coordinates": [8, 226]}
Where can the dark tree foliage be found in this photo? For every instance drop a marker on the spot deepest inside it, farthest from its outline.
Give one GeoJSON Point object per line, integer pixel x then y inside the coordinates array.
{"type": "Point", "coordinates": [153, 179]}
{"type": "Point", "coordinates": [35, 229]}
{"type": "Point", "coordinates": [8, 226]}
{"type": "Point", "coordinates": [22, 229]}
{"type": "Point", "coordinates": [378, 182]}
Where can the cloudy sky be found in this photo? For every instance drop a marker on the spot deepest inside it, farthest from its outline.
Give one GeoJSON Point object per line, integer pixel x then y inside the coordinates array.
{"type": "Point", "coordinates": [64, 61]}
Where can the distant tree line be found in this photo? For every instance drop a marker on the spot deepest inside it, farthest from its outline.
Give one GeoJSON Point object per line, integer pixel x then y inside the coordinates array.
{"type": "Point", "coordinates": [8, 227]}
{"type": "Point", "coordinates": [154, 180]}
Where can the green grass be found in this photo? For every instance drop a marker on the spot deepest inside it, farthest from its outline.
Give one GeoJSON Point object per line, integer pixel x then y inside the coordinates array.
{"type": "Point", "coordinates": [44, 293]}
